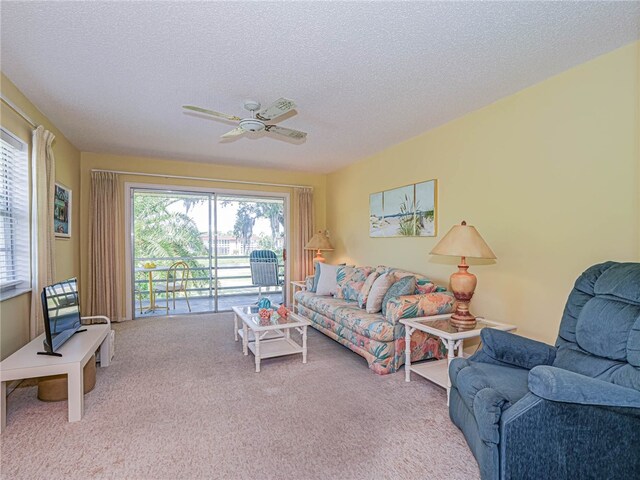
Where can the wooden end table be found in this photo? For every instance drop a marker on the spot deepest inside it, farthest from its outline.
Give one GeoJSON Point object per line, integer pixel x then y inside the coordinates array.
{"type": "Point", "coordinates": [437, 371]}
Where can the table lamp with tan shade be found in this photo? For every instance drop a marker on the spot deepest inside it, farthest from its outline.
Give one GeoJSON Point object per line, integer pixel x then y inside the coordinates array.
{"type": "Point", "coordinates": [463, 241]}
{"type": "Point", "coordinates": [320, 243]}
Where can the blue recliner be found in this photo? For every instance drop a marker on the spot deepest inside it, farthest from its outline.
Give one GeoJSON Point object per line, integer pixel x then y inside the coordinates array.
{"type": "Point", "coordinates": [532, 411]}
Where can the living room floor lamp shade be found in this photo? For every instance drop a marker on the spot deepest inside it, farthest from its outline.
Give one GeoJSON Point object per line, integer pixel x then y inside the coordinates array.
{"type": "Point", "coordinates": [319, 242]}
{"type": "Point", "coordinates": [463, 241]}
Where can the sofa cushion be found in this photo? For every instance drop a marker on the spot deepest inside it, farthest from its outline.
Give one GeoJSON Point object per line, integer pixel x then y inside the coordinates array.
{"type": "Point", "coordinates": [411, 306]}
{"type": "Point", "coordinates": [349, 315]}
{"type": "Point", "coordinates": [583, 291]}
{"type": "Point", "coordinates": [424, 286]}
{"type": "Point", "coordinates": [316, 277]}
{"type": "Point", "coordinates": [405, 286]}
{"type": "Point", "coordinates": [366, 289]}
{"type": "Point", "coordinates": [351, 281]}
{"type": "Point", "coordinates": [377, 293]}
{"type": "Point", "coordinates": [571, 357]}
{"type": "Point", "coordinates": [326, 284]}
{"type": "Point", "coordinates": [399, 274]}
{"type": "Point", "coordinates": [604, 328]}
{"type": "Point", "coordinates": [620, 281]}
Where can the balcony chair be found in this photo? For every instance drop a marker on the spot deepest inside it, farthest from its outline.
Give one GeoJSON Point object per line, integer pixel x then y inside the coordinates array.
{"type": "Point", "coordinates": [138, 293]}
{"type": "Point", "coordinates": [177, 278]}
{"type": "Point", "coordinates": [265, 270]}
{"type": "Point", "coordinates": [532, 411]}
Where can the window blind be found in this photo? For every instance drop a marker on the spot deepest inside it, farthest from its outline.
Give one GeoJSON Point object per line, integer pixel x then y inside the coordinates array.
{"type": "Point", "coordinates": [14, 213]}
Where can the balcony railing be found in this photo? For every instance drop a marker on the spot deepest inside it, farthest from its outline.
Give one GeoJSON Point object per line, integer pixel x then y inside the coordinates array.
{"type": "Point", "coordinates": [231, 275]}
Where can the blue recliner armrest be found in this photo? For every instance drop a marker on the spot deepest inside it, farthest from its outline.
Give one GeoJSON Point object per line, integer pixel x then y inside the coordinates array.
{"type": "Point", "coordinates": [510, 349]}
{"type": "Point", "coordinates": [561, 385]}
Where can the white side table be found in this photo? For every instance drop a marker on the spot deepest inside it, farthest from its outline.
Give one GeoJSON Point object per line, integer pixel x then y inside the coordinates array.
{"type": "Point", "coordinates": [295, 285]}
{"type": "Point", "coordinates": [76, 352]}
{"type": "Point", "coordinates": [437, 371]}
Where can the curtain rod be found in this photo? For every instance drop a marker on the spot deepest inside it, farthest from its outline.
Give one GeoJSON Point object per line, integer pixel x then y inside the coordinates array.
{"type": "Point", "coordinates": [15, 108]}
{"type": "Point", "coordinates": [182, 177]}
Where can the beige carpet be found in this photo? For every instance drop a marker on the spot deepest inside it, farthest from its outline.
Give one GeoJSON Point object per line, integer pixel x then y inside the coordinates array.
{"type": "Point", "coordinates": [181, 401]}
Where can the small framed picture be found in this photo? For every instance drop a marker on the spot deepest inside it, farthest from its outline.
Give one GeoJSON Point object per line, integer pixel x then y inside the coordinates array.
{"type": "Point", "coordinates": [62, 211]}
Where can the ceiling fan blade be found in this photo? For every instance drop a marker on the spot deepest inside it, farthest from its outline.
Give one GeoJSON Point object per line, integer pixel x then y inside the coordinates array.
{"type": "Point", "coordinates": [277, 108]}
{"type": "Point", "coordinates": [233, 133]}
{"type": "Point", "coordinates": [287, 132]}
{"type": "Point", "coordinates": [211, 112]}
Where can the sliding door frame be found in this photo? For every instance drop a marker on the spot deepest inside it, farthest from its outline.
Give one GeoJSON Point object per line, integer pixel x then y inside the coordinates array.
{"type": "Point", "coordinates": [129, 187]}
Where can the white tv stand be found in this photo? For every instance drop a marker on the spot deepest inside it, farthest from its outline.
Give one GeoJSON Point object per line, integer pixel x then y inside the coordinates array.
{"type": "Point", "coordinates": [76, 352]}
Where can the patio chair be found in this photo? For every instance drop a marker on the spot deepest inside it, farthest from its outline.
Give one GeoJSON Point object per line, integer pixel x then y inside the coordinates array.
{"type": "Point", "coordinates": [138, 294]}
{"type": "Point", "coordinates": [264, 270]}
{"type": "Point", "coordinates": [177, 278]}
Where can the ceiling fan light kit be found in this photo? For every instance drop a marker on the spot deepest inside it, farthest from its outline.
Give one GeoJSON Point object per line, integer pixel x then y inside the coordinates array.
{"type": "Point", "coordinates": [251, 125]}
{"type": "Point", "coordinates": [256, 123]}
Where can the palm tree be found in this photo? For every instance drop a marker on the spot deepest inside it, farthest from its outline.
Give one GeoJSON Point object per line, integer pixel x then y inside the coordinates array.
{"type": "Point", "coordinates": [162, 233]}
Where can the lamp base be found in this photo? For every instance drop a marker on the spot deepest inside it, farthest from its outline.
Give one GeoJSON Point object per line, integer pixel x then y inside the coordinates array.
{"type": "Point", "coordinates": [461, 317]}
{"type": "Point", "coordinates": [463, 285]}
{"type": "Point", "coordinates": [318, 257]}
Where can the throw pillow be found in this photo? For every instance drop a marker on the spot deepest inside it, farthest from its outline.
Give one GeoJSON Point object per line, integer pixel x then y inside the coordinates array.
{"type": "Point", "coordinates": [341, 275]}
{"type": "Point", "coordinates": [366, 288]}
{"type": "Point", "coordinates": [424, 286]}
{"type": "Point", "coordinates": [404, 286]}
{"type": "Point", "coordinates": [377, 293]}
{"type": "Point", "coordinates": [316, 277]}
{"type": "Point", "coordinates": [354, 281]}
{"type": "Point", "coordinates": [327, 283]}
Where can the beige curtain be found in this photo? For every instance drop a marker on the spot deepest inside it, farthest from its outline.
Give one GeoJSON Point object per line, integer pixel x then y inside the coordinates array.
{"type": "Point", "coordinates": [302, 233]}
{"type": "Point", "coordinates": [43, 168]}
{"type": "Point", "coordinates": [105, 256]}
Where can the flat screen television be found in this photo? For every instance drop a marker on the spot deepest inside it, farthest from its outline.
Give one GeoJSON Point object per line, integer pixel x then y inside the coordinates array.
{"type": "Point", "coordinates": [61, 307]}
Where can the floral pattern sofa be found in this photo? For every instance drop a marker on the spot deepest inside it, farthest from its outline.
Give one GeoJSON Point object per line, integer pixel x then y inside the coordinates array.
{"type": "Point", "coordinates": [379, 338]}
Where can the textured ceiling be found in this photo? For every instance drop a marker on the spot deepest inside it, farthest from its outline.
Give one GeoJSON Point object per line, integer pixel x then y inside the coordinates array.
{"type": "Point", "coordinates": [113, 75]}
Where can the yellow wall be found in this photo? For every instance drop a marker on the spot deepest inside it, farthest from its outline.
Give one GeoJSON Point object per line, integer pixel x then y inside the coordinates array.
{"type": "Point", "coordinates": [14, 312]}
{"type": "Point", "coordinates": [172, 167]}
{"type": "Point", "coordinates": [549, 176]}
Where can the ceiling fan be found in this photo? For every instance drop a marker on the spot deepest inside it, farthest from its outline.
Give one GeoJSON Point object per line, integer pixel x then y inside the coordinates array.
{"type": "Point", "coordinates": [256, 123]}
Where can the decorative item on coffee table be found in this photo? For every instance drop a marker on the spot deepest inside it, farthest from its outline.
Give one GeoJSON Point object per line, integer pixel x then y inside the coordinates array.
{"type": "Point", "coordinates": [463, 241]}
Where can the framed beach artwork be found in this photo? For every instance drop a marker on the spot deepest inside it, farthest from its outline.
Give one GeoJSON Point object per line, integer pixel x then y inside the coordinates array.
{"type": "Point", "coordinates": [62, 211]}
{"type": "Point", "coordinates": [408, 211]}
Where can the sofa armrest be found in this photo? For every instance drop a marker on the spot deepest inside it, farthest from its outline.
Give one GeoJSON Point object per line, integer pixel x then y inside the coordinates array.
{"type": "Point", "coordinates": [559, 385]}
{"type": "Point", "coordinates": [508, 348]}
{"type": "Point", "coordinates": [422, 305]}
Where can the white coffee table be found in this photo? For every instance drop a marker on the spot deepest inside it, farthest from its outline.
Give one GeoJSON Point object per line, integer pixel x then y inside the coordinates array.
{"type": "Point", "coordinates": [270, 340]}
{"type": "Point", "coordinates": [437, 371]}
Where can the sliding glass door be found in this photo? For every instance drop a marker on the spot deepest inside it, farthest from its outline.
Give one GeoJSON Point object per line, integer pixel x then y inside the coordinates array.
{"type": "Point", "coordinates": [198, 246]}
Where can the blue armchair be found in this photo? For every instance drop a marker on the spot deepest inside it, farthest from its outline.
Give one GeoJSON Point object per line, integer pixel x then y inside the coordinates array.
{"type": "Point", "coordinates": [532, 411]}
